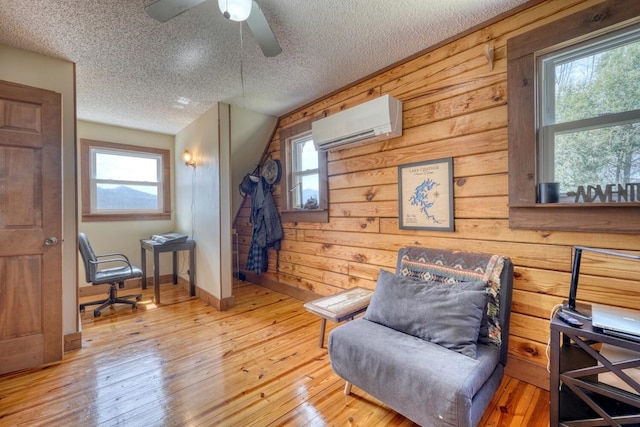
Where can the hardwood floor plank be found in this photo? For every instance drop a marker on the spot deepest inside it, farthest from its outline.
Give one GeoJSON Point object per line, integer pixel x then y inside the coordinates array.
{"type": "Point", "coordinates": [259, 405]}
{"type": "Point", "coordinates": [183, 363]}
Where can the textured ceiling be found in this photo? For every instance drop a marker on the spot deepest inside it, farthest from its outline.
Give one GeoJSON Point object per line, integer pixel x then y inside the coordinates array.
{"type": "Point", "coordinates": [136, 72]}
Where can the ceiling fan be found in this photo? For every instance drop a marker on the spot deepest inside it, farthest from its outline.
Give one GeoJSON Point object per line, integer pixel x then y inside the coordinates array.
{"type": "Point", "coordinates": [235, 10]}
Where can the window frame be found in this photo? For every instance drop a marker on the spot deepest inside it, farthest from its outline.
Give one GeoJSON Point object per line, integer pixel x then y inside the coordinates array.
{"type": "Point", "coordinates": [88, 189]}
{"type": "Point", "coordinates": [547, 126]}
{"type": "Point", "coordinates": [524, 211]}
{"type": "Point", "coordinates": [320, 215]}
{"type": "Point", "coordinates": [296, 174]}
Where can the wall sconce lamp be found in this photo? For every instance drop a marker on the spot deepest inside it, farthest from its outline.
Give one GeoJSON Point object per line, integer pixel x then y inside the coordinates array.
{"type": "Point", "coordinates": [188, 159]}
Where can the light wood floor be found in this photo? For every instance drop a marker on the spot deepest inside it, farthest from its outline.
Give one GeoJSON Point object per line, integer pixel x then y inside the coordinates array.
{"type": "Point", "coordinates": [185, 364]}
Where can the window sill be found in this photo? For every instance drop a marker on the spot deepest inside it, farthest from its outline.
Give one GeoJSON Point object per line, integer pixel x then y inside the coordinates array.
{"type": "Point", "coordinates": [125, 217]}
{"type": "Point", "coordinates": [579, 205]}
{"type": "Point", "coordinates": [305, 216]}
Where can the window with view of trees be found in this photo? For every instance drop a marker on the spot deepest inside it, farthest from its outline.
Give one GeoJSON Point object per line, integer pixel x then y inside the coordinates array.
{"type": "Point", "coordinates": [577, 125]}
{"type": "Point", "coordinates": [589, 119]}
{"type": "Point", "coordinates": [124, 182]}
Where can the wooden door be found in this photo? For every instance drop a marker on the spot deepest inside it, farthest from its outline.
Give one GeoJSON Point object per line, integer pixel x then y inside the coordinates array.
{"type": "Point", "coordinates": [30, 227]}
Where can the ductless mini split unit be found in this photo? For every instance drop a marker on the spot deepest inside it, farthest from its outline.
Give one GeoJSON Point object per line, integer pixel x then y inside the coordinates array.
{"type": "Point", "coordinates": [375, 120]}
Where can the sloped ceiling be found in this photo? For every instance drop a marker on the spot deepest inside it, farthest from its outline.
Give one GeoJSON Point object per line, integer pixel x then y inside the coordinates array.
{"type": "Point", "coordinates": [136, 72]}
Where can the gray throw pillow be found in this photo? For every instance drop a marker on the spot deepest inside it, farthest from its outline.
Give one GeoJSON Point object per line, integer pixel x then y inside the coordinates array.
{"type": "Point", "coordinates": [444, 314]}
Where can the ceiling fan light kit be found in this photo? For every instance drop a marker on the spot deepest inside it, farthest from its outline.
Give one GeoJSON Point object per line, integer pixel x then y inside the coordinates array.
{"type": "Point", "coordinates": [235, 10]}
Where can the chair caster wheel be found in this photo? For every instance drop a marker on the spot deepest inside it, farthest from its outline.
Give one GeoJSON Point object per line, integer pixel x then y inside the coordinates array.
{"type": "Point", "coordinates": [139, 297]}
{"type": "Point", "coordinates": [134, 306]}
{"type": "Point", "coordinates": [96, 313]}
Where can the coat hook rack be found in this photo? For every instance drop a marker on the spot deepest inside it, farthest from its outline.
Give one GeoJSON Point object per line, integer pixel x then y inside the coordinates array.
{"type": "Point", "coordinates": [489, 54]}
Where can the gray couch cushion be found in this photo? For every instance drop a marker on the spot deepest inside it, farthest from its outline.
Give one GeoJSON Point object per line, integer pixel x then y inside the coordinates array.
{"type": "Point", "coordinates": [423, 381]}
{"type": "Point", "coordinates": [447, 315]}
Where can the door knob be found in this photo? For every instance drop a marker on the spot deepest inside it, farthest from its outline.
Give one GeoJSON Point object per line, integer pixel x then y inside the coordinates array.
{"type": "Point", "coordinates": [50, 241]}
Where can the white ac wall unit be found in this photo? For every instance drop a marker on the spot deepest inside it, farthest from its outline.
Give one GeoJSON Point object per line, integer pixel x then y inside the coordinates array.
{"type": "Point", "coordinates": [375, 120]}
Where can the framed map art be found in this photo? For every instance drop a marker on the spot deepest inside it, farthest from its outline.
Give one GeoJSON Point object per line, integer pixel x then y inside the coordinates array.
{"type": "Point", "coordinates": [425, 195]}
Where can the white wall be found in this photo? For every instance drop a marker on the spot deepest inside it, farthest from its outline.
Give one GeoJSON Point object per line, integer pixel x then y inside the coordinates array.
{"type": "Point", "coordinates": [250, 134]}
{"type": "Point", "coordinates": [226, 219]}
{"type": "Point", "coordinates": [203, 202]}
{"type": "Point", "coordinates": [124, 236]}
{"type": "Point", "coordinates": [32, 69]}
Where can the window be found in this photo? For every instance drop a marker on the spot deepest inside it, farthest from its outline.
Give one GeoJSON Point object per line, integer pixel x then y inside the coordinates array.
{"type": "Point", "coordinates": [589, 119]}
{"type": "Point", "coordinates": [573, 119]}
{"type": "Point", "coordinates": [305, 191]}
{"type": "Point", "coordinates": [304, 187]}
{"type": "Point", "coordinates": [123, 182]}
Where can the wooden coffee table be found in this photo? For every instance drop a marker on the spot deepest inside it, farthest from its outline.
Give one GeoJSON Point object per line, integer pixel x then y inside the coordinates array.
{"type": "Point", "coordinates": [339, 307]}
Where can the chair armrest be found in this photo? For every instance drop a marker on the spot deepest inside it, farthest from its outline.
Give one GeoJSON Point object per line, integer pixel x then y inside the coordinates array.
{"type": "Point", "coordinates": [115, 257]}
{"type": "Point", "coordinates": [114, 254]}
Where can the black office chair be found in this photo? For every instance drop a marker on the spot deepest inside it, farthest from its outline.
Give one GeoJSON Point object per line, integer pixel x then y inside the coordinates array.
{"type": "Point", "coordinates": [113, 275]}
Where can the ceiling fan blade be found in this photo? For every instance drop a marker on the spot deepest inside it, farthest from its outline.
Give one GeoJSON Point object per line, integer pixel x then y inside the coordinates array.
{"type": "Point", "coordinates": [164, 10]}
{"type": "Point", "coordinates": [262, 31]}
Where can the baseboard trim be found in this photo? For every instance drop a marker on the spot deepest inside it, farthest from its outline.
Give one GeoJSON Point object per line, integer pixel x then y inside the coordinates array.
{"type": "Point", "coordinates": [183, 283]}
{"type": "Point", "coordinates": [72, 341]}
{"type": "Point", "coordinates": [528, 372]}
{"type": "Point", "coordinates": [223, 304]}
{"type": "Point", "coordinates": [283, 288]}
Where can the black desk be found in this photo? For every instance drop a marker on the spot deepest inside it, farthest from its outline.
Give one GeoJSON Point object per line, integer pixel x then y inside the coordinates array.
{"type": "Point", "coordinates": [574, 363]}
{"type": "Point", "coordinates": [157, 248]}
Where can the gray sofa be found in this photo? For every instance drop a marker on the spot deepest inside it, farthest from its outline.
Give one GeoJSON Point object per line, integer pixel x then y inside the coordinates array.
{"type": "Point", "coordinates": [433, 343]}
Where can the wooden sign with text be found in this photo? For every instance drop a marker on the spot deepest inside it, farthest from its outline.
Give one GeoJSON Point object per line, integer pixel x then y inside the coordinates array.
{"type": "Point", "coordinates": [610, 193]}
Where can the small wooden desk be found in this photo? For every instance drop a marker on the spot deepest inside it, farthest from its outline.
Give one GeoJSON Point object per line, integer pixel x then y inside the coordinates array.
{"type": "Point", "coordinates": [339, 307]}
{"type": "Point", "coordinates": [157, 248]}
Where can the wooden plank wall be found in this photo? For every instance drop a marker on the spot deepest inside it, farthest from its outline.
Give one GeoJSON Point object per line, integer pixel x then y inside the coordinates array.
{"type": "Point", "coordinates": [454, 106]}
